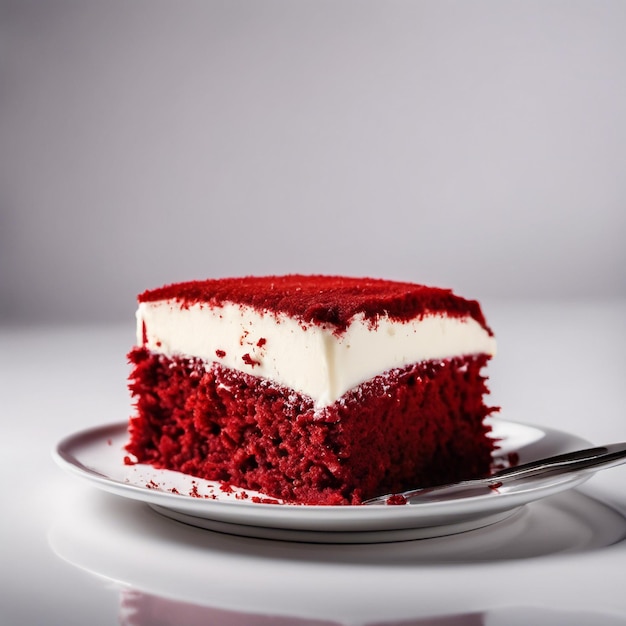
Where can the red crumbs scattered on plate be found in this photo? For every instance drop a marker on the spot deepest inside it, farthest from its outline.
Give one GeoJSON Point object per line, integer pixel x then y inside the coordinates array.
{"type": "Point", "coordinates": [396, 499]}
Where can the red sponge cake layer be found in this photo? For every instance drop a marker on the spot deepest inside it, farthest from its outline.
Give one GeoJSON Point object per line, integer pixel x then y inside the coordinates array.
{"type": "Point", "coordinates": [421, 425]}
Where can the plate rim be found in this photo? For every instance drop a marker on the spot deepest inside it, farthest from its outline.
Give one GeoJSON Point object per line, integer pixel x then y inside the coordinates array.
{"type": "Point", "coordinates": [343, 519]}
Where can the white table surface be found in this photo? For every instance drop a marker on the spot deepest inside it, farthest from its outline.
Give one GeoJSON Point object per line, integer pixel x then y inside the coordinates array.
{"type": "Point", "coordinates": [74, 555]}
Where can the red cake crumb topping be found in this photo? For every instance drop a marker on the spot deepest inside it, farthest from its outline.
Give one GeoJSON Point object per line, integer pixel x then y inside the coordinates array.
{"type": "Point", "coordinates": [220, 354]}
{"type": "Point", "coordinates": [318, 299]}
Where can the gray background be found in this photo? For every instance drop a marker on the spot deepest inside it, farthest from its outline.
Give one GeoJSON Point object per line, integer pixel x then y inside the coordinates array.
{"type": "Point", "coordinates": [476, 145]}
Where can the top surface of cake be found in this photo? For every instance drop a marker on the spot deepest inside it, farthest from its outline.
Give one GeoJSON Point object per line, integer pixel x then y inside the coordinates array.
{"type": "Point", "coordinates": [326, 300]}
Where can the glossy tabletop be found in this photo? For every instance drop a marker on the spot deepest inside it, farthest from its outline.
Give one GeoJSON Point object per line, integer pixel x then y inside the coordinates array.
{"type": "Point", "coordinates": [73, 554]}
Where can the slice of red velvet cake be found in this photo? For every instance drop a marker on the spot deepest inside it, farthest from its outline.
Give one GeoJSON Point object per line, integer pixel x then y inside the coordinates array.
{"type": "Point", "coordinates": [311, 389]}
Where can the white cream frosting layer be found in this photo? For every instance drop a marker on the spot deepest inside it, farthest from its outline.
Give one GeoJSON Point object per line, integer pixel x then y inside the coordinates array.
{"type": "Point", "coordinates": [305, 357]}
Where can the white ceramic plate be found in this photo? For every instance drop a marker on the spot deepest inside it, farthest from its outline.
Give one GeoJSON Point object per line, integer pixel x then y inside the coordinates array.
{"type": "Point", "coordinates": [98, 454]}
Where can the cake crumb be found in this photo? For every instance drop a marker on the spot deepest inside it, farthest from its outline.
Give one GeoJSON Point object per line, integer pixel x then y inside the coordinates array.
{"type": "Point", "coordinates": [248, 360]}
{"type": "Point", "coordinates": [513, 458]}
{"type": "Point", "coordinates": [243, 337]}
{"type": "Point", "coordinates": [259, 500]}
{"type": "Point", "coordinates": [396, 499]}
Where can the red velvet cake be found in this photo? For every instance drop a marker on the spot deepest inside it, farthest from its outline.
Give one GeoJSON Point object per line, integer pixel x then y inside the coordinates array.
{"type": "Point", "coordinates": [311, 389]}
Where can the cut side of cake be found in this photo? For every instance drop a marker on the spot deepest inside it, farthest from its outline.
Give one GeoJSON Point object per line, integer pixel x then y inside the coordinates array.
{"type": "Point", "coordinates": [311, 389]}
